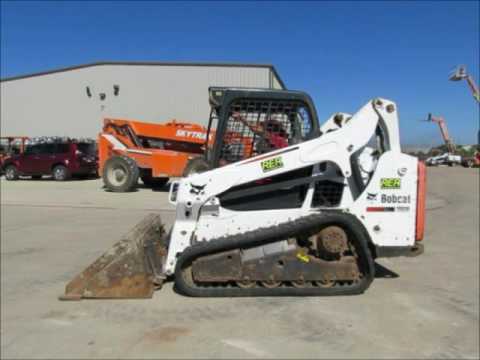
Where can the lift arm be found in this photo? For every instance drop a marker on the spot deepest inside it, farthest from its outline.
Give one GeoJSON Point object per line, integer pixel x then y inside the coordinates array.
{"type": "Point", "coordinates": [444, 131]}
{"type": "Point", "coordinates": [460, 73]}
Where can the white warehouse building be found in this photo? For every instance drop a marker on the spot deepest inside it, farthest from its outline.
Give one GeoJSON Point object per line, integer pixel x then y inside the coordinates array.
{"type": "Point", "coordinates": [72, 101]}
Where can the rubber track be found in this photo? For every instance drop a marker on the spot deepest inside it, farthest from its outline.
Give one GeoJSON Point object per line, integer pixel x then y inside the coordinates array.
{"type": "Point", "coordinates": [307, 225]}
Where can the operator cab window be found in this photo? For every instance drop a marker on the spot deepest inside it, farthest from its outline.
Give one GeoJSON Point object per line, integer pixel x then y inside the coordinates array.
{"type": "Point", "coordinates": [212, 130]}
{"type": "Point", "coordinates": [302, 124]}
{"type": "Point", "coordinates": [257, 127]}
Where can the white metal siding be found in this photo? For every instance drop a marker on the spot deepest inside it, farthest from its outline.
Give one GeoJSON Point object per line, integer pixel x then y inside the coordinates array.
{"type": "Point", "coordinates": [57, 103]}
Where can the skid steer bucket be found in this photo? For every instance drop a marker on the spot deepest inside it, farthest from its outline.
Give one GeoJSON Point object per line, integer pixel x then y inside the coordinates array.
{"type": "Point", "coordinates": [130, 269]}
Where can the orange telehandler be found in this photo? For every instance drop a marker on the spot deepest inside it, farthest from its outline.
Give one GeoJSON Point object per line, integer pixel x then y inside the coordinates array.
{"type": "Point", "coordinates": [129, 149]}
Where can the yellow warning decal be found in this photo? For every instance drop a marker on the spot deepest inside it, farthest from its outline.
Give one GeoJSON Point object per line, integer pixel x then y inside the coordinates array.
{"type": "Point", "coordinates": [302, 257]}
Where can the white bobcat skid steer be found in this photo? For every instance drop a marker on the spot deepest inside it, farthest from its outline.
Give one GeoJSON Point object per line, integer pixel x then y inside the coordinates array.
{"type": "Point", "coordinates": [288, 209]}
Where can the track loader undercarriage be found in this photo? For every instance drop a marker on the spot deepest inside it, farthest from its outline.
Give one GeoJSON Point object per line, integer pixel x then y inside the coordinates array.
{"type": "Point", "coordinates": [223, 267]}
{"type": "Point", "coordinates": [306, 218]}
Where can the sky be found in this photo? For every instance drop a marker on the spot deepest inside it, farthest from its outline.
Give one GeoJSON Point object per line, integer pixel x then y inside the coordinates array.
{"type": "Point", "coordinates": [342, 53]}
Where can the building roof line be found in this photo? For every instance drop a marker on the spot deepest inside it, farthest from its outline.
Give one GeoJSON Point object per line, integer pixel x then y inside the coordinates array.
{"type": "Point", "coordinates": [147, 63]}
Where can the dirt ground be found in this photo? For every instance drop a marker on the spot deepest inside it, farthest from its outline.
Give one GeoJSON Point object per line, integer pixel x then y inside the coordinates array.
{"type": "Point", "coordinates": [423, 307]}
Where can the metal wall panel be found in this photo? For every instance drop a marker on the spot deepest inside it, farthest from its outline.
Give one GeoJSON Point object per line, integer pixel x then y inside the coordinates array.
{"type": "Point", "coordinates": [57, 103]}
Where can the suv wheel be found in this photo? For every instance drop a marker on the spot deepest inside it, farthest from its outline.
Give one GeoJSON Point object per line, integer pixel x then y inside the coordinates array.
{"type": "Point", "coordinates": [60, 173]}
{"type": "Point", "coordinates": [11, 173]}
{"type": "Point", "coordinates": [120, 174]}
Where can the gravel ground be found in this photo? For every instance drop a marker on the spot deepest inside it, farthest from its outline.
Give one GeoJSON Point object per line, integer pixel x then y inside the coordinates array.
{"type": "Point", "coordinates": [428, 306]}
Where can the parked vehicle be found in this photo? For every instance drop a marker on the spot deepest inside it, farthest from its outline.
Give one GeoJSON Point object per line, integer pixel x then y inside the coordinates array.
{"type": "Point", "coordinates": [130, 149]}
{"type": "Point", "coordinates": [9, 146]}
{"type": "Point", "coordinates": [61, 159]}
{"type": "Point", "coordinates": [444, 159]}
{"type": "Point", "coordinates": [449, 158]}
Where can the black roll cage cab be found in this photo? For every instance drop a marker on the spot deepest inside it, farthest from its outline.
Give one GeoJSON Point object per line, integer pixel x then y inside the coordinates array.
{"type": "Point", "coordinates": [221, 99]}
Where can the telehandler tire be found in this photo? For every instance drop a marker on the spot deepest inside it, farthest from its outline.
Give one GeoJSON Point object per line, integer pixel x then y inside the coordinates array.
{"type": "Point", "coordinates": [120, 174]}
{"type": "Point", "coordinates": [196, 166]}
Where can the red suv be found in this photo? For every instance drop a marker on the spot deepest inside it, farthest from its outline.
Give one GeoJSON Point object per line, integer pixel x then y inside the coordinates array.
{"type": "Point", "coordinates": [59, 159]}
